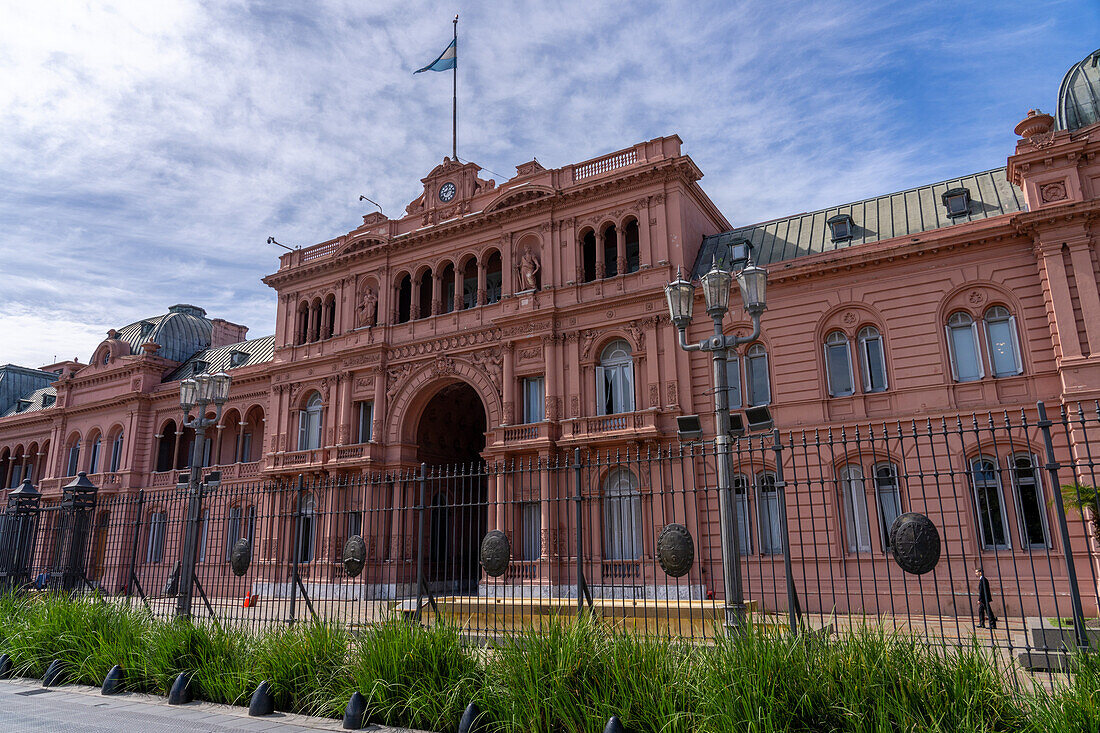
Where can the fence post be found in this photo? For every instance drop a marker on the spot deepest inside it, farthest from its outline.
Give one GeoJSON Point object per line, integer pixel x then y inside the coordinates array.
{"type": "Point", "coordinates": [420, 539]}
{"type": "Point", "coordinates": [295, 550]}
{"type": "Point", "coordinates": [77, 504]}
{"type": "Point", "coordinates": [1052, 467]}
{"type": "Point", "coordinates": [781, 486]}
{"type": "Point", "coordinates": [582, 584]}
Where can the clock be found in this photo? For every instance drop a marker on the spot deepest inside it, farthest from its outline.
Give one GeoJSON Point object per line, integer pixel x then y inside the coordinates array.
{"type": "Point", "coordinates": [447, 192]}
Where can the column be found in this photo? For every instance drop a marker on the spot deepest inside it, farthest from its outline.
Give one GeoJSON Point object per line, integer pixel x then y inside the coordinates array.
{"type": "Point", "coordinates": [550, 373]}
{"type": "Point", "coordinates": [238, 451]}
{"type": "Point", "coordinates": [458, 288]}
{"type": "Point", "coordinates": [218, 437]}
{"type": "Point", "coordinates": [437, 294]}
{"type": "Point", "coordinates": [601, 266]}
{"type": "Point", "coordinates": [620, 249]}
{"type": "Point", "coordinates": [508, 271]}
{"type": "Point", "coordinates": [509, 383]}
{"type": "Point", "coordinates": [1065, 324]}
{"type": "Point", "coordinates": [544, 511]}
{"type": "Point", "coordinates": [414, 300]}
{"type": "Point", "coordinates": [482, 288]}
{"type": "Point", "coordinates": [379, 404]}
{"type": "Point", "coordinates": [129, 445]}
{"type": "Point", "coordinates": [8, 473]}
{"type": "Point", "coordinates": [344, 431]}
{"type": "Point", "coordinates": [645, 242]}
{"type": "Point", "coordinates": [1085, 274]}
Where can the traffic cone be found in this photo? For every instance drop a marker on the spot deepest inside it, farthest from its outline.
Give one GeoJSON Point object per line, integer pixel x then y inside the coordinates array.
{"type": "Point", "coordinates": [249, 599]}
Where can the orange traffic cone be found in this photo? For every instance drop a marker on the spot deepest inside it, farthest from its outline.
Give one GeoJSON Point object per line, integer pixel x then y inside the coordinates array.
{"type": "Point", "coordinates": [249, 599]}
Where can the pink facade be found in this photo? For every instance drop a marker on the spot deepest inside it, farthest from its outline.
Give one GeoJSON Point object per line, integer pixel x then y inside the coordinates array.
{"type": "Point", "coordinates": [525, 318]}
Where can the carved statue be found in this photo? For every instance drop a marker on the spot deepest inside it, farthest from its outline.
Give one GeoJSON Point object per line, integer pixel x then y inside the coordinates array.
{"type": "Point", "coordinates": [368, 309]}
{"type": "Point", "coordinates": [528, 268]}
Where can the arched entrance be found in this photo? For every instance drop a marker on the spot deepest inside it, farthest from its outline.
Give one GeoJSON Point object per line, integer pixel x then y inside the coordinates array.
{"type": "Point", "coordinates": [450, 436]}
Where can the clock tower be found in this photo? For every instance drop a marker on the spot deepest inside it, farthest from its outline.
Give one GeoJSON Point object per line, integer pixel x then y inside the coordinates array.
{"type": "Point", "coordinates": [448, 190]}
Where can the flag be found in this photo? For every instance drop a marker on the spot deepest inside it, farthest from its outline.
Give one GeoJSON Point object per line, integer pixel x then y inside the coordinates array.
{"type": "Point", "coordinates": [446, 60]}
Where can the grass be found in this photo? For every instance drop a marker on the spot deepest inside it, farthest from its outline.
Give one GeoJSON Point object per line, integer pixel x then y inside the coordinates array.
{"type": "Point", "coordinates": [568, 679]}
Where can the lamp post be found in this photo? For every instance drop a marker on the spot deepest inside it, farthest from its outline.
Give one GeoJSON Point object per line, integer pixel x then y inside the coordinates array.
{"type": "Point", "coordinates": [752, 282]}
{"type": "Point", "coordinates": [197, 392]}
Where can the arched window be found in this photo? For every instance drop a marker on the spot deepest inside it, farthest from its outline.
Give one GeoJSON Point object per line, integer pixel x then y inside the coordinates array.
{"type": "Point", "coordinates": [448, 288]}
{"type": "Point", "coordinates": [854, 495]}
{"type": "Point", "coordinates": [622, 516]}
{"type": "Point", "coordinates": [328, 327]}
{"type": "Point", "coordinates": [73, 465]}
{"type": "Point", "coordinates": [93, 456]}
{"type": "Point", "coordinates": [424, 295]}
{"type": "Point", "coordinates": [308, 524]}
{"type": "Point", "coordinates": [767, 506]}
{"type": "Point", "coordinates": [633, 252]}
{"type": "Point", "coordinates": [838, 365]}
{"type": "Point", "coordinates": [469, 284]}
{"type": "Point", "coordinates": [962, 342]}
{"type": "Point", "coordinates": [588, 257]}
{"type": "Point", "coordinates": [888, 496]}
{"type": "Point", "coordinates": [1004, 346]}
{"type": "Point", "coordinates": [1031, 507]}
{"type": "Point", "coordinates": [494, 277]}
{"type": "Point", "coordinates": [615, 379]}
{"type": "Point", "coordinates": [310, 424]}
{"type": "Point", "coordinates": [610, 251]}
{"type": "Point", "coordinates": [116, 452]}
{"type": "Point", "coordinates": [756, 376]}
{"type": "Point", "coordinates": [301, 333]}
{"type": "Point", "coordinates": [404, 299]}
{"type": "Point", "coordinates": [315, 320]}
{"type": "Point", "coordinates": [872, 357]}
{"type": "Point", "coordinates": [744, 526]}
{"type": "Point", "coordinates": [986, 483]}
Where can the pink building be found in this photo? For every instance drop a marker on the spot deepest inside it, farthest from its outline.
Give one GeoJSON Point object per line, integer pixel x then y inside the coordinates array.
{"type": "Point", "coordinates": [525, 318]}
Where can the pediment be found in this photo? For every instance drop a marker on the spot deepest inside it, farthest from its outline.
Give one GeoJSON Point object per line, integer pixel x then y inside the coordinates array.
{"type": "Point", "coordinates": [518, 195]}
{"type": "Point", "coordinates": [360, 244]}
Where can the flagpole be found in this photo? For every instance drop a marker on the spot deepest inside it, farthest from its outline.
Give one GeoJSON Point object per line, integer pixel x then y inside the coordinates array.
{"type": "Point", "coordinates": [454, 98]}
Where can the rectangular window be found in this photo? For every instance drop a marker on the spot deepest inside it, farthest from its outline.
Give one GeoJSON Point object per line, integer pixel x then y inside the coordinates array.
{"type": "Point", "coordinates": [756, 375]}
{"type": "Point", "coordinates": [888, 495]}
{"type": "Point", "coordinates": [874, 363]}
{"type": "Point", "coordinates": [366, 418]}
{"type": "Point", "coordinates": [74, 459]}
{"type": "Point", "coordinates": [207, 449]}
{"type": "Point", "coordinates": [838, 364]}
{"type": "Point", "coordinates": [532, 530]}
{"type": "Point", "coordinates": [533, 399]}
{"type": "Point", "coordinates": [744, 527]}
{"type": "Point", "coordinates": [116, 454]}
{"type": "Point", "coordinates": [733, 379]}
{"type": "Point", "coordinates": [1034, 531]}
{"type": "Point", "coordinates": [232, 531]}
{"type": "Point", "coordinates": [1002, 347]}
{"type": "Point", "coordinates": [985, 480]}
{"type": "Point", "coordinates": [158, 524]}
{"type": "Point", "coordinates": [771, 529]}
{"type": "Point", "coordinates": [93, 458]}
{"type": "Point", "coordinates": [964, 352]}
{"type": "Point", "coordinates": [355, 524]}
{"type": "Point", "coordinates": [855, 509]}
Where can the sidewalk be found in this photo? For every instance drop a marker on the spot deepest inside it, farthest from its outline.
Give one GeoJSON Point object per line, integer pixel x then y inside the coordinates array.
{"type": "Point", "coordinates": [26, 706]}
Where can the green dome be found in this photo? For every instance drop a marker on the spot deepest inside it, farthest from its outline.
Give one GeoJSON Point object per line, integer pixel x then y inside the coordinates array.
{"type": "Point", "coordinates": [1079, 95]}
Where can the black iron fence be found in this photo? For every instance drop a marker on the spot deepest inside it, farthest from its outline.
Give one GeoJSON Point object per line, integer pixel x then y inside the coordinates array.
{"type": "Point", "coordinates": [634, 536]}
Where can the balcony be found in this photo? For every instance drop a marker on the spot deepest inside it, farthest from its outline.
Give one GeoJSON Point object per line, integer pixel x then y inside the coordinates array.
{"type": "Point", "coordinates": [608, 427]}
{"type": "Point", "coordinates": [519, 434]}
{"type": "Point", "coordinates": [300, 459]}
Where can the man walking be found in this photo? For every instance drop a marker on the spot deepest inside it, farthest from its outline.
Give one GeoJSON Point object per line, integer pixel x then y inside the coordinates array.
{"type": "Point", "coordinates": [985, 599]}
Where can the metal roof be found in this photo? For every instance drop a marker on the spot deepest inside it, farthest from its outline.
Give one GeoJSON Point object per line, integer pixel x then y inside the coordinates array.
{"type": "Point", "coordinates": [1079, 94]}
{"type": "Point", "coordinates": [254, 351]}
{"type": "Point", "coordinates": [32, 402]}
{"type": "Point", "coordinates": [17, 381]}
{"type": "Point", "coordinates": [180, 332]}
{"type": "Point", "coordinates": [882, 217]}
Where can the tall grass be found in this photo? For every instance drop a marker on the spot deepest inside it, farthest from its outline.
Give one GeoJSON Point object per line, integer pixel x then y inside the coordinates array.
{"type": "Point", "coordinates": [568, 678]}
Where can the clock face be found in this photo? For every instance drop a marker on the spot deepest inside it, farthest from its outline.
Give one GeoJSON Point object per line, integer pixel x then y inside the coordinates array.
{"type": "Point", "coordinates": [447, 192]}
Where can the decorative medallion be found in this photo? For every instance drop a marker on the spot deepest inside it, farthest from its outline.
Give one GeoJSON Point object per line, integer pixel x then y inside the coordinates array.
{"type": "Point", "coordinates": [849, 318]}
{"type": "Point", "coordinates": [976, 297]}
{"type": "Point", "coordinates": [675, 550]}
{"type": "Point", "coordinates": [1053, 191]}
{"type": "Point", "coordinates": [1042, 140]}
{"type": "Point", "coordinates": [240, 557]}
{"type": "Point", "coordinates": [496, 553]}
{"type": "Point", "coordinates": [915, 543]}
{"type": "Point", "coordinates": [355, 555]}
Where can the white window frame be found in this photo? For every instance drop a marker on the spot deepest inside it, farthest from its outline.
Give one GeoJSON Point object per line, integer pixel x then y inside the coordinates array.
{"type": "Point", "coordinates": [857, 522]}
{"type": "Point", "coordinates": [308, 539]}
{"type": "Point", "coordinates": [759, 353]}
{"type": "Point", "coordinates": [116, 453]}
{"type": "Point", "coordinates": [834, 340]}
{"type": "Point", "coordinates": [865, 336]}
{"type": "Point", "coordinates": [622, 516]}
{"type": "Point", "coordinates": [93, 454]}
{"type": "Point", "coordinates": [531, 521]}
{"type": "Point", "coordinates": [767, 502]}
{"type": "Point", "coordinates": [1008, 318]}
{"type": "Point", "coordinates": [995, 484]}
{"type": "Point", "coordinates": [615, 379]}
{"type": "Point", "coordinates": [366, 421]}
{"type": "Point", "coordinates": [744, 525]}
{"type": "Point", "coordinates": [733, 381]}
{"type": "Point", "coordinates": [158, 526]}
{"type": "Point", "coordinates": [73, 464]}
{"type": "Point", "coordinates": [311, 423]}
{"type": "Point", "coordinates": [881, 493]}
{"type": "Point", "coordinates": [953, 357]}
{"type": "Point", "coordinates": [1040, 496]}
{"type": "Point", "coordinates": [534, 406]}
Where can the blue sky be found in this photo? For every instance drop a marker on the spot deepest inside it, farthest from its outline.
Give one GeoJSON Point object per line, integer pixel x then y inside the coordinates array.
{"type": "Point", "coordinates": [147, 150]}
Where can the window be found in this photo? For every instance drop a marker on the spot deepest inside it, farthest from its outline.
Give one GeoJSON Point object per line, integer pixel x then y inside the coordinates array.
{"type": "Point", "coordinates": [202, 535]}
{"type": "Point", "coordinates": [74, 459]}
{"type": "Point", "coordinates": [305, 538]}
{"type": "Point", "coordinates": [250, 524]}
{"type": "Point", "coordinates": [366, 417]}
{"type": "Point", "coordinates": [469, 284]}
{"type": "Point", "coordinates": [840, 227]}
{"type": "Point", "coordinates": [355, 524]}
{"type": "Point", "coordinates": [1032, 516]}
{"type": "Point", "coordinates": [245, 448]}
{"type": "Point", "coordinates": [888, 495]}
{"type": "Point", "coordinates": [116, 453]}
{"type": "Point", "coordinates": [615, 380]}
{"type": "Point", "coordinates": [854, 497]}
{"type": "Point", "coordinates": [494, 277]}
{"type": "Point", "coordinates": [533, 399]}
{"type": "Point", "coordinates": [956, 201]}
{"type": "Point", "coordinates": [744, 527]}
{"type": "Point", "coordinates": [962, 343]}
{"type": "Point", "coordinates": [532, 530]}
{"type": "Point", "coordinates": [610, 252]}
{"type": "Point", "coordinates": [232, 531]}
{"type": "Point", "coordinates": [633, 252]}
{"type": "Point", "coordinates": [309, 424]}
{"type": "Point", "coordinates": [756, 376]}
{"type": "Point", "coordinates": [767, 504]}
{"type": "Point", "coordinates": [588, 257]}
{"type": "Point", "coordinates": [985, 480]}
{"type": "Point", "coordinates": [872, 359]}
{"type": "Point", "coordinates": [838, 365]}
{"type": "Point", "coordinates": [622, 516]}
{"type": "Point", "coordinates": [1004, 349]}
{"type": "Point", "coordinates": [93, 457]}
{"type": "Point", "coordinates": [404, 299]}
{"type": "Point", "coordinates": [158, 524]}
{"type": "Point", "coordinates": [733, 379]}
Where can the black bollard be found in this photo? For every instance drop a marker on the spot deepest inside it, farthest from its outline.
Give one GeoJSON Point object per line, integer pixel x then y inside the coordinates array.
{"type": "Point", "coordinates": [614, 725]}
{"type": "Point", "coordinates": [355, 715]}
{"type": "Point", "coordinates": [112, 683]}
{"type": "Point", "coordinates": [5, 666]}
{"type": "Point", "coordinates": [263, 702]}
{"type": "Point", "coordinates": [181, 690]}
{"type": "Point", "coordinates": [471, 720]}
{"type": "Point", "coordinates": [55, 674]}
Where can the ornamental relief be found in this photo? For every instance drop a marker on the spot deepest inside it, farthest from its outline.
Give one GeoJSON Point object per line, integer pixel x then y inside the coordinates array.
{"type": "Point", "coordinates": [448, 343]}
{"type": "Point", "coordinates": [1050, 192]}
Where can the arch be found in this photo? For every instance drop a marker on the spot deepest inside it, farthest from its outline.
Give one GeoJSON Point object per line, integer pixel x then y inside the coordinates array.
{"type": "Point", "coordinates": [311, 422]}
{"type": "Point", "coordinates": [518, 195]}
{"type": "Point", "coordinates": [328, 325]}
{"type": "Point", "coordinates": [315, 319]}
{"type": "Point", "coordinates": [975, 296]}
{"type": "Point", "coordinates": [623, 526]}
{"type": "Point", "coordinates": [408, 403]}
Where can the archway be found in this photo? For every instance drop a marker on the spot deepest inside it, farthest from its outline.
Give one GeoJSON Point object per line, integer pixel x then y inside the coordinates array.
{"type": "Point", "coordinates": [450, 437]}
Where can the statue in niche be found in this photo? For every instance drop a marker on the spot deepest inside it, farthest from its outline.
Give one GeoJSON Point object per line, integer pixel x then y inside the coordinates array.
{"type": "Point", "coordinates": [368, 308]}
{"type": "Point", "coordinates": [528, 271]}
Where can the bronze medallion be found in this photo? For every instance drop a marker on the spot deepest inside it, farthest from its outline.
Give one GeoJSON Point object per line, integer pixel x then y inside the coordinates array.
{"type": "Point", "coordinates": [675, 550]}
{"type": "Point", "coordinates": [355, 555]}
{"type": "Point", "coordinates": [240, 557]}
{"type": "Point", "coordinates": [496, 553]}
{"type": "Point", "coordinates": [915, 543]}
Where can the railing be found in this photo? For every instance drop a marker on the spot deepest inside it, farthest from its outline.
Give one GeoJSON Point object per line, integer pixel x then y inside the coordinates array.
{"type": "Point", "coordinates": [320, 251]}
{"type": "Point", "coordinates": [607, 163]}
{"type": "Point", "coordinates": [347, 452]}
{"type": "Point", "coordinates": [522, 570]}
{"type": "Point", "coordinates": [624, 421]}
{"type": "Point", "coordinates": [620, 570]}
{"type": "Point", "coordinates": [523, 432]}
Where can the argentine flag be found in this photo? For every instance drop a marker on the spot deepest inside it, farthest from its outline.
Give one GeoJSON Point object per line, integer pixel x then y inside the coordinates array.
{"type": "Point", "coordinates": [446, 60]}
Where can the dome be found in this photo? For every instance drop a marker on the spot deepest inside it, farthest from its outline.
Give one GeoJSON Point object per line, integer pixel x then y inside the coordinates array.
{"type": "Point", "coordinates": [180, 333]}
{"type": "Point", "coordinates": [1079, 95]}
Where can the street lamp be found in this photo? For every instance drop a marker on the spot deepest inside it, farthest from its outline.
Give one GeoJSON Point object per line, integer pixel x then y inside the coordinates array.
{"type": "Point", "coordinates": [716, 283]}
{"type": "Point", "coordinates": [197, 393]}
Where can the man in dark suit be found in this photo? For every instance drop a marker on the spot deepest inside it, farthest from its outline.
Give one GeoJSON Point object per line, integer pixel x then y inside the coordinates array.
{"type": "Point", "coordinates": [985, 599]}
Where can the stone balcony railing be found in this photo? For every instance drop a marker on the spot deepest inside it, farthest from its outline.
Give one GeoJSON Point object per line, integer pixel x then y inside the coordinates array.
{"type": "Point", "coordinates": [340, 455]}
{"type": "Point", "coordinates": [633, 424]}
{"type": "Point", "coordinates": [513, 434]}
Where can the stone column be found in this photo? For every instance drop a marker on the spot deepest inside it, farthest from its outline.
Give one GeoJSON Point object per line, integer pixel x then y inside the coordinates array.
{"type": "Point", "coordinates": [344, 431]}
{"type": "Point", "coordinates": [238, 451]}
{"type": "Point", "coordinates": [550, 372]}
{"type": "Point", "coordinates": [1084, 273]}
{"type": "Point", "coordinates": [218, 437]}
{"type": "Point", "coordinates": [8, 473]}
{"type": "Point", "coordinates": [379, 404]}
{"type": "Point", "coordinates": [601, 267]}
{"type": "Point", "coordinates": [437, 294]}
{"type": "Point", "coordinates": [414, 300]}
{"type": "Point", "coordinates": [1065, 324]}
{"type": "Point", "coordinates": [508, 268]}
{"type": "Point", "coordinates": [458, 288]}
{"type": "Point", "coordinates": [645, 243]}
{"type": "Point", "coordinates": [544, 511]}
{"type": "Point", "coordinates": [482, 288]}
{"type": "Point", "coordinates": [620, 249]}
{"type": "Point", "coordinates": [509, 383]}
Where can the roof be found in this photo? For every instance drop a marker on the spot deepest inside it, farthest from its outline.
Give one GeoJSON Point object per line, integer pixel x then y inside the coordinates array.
{"type": "Point", "coordinates": [33, 402]}
{"type": "Point", "coordinates": [180, 332]}
{"type": "Point", "coordinates": [882, 217]}
{"type": "Point", "coordinates": [1079, 94]}
{"type": "Point", "coordinates": [17, 381]}
{"type": "Point", "coordinates": [256, 351]}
